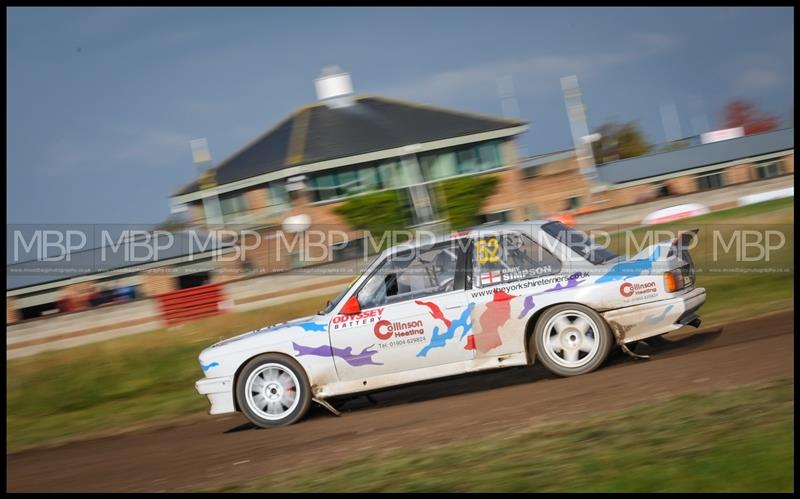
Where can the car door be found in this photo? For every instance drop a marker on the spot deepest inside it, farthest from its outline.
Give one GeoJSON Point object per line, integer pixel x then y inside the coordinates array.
{"type": "Point", "coordinates": [509, 273]}
{"type": "Point", "coordinates": [413, 315]}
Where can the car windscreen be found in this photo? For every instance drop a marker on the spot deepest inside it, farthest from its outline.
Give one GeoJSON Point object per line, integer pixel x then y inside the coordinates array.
{"type": "Point", "coordinates": [332, 304]}
{"type": "Point", "coordinates": [579, 242]}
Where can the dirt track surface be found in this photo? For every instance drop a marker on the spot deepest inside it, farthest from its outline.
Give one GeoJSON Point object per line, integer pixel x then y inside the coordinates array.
{"type": "Point", "coordinates": [228, 450]}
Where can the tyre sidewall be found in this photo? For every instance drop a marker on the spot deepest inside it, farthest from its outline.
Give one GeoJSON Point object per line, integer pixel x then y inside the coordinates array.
{"type": "Point", "coordinates": [288, 363]}
{"type": "Point", "coordinates": [604, 336]}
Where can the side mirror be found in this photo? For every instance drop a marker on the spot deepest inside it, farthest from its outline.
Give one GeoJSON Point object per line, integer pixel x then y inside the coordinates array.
{"type": "Point", "coordinates": [351, 306]}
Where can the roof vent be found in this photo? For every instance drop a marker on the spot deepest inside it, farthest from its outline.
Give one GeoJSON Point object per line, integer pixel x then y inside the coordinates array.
{"type": "Point", "coordinates": [334, 87]}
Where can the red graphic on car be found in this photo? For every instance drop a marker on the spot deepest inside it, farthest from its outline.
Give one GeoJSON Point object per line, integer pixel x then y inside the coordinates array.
{"type": "Point", "coordinates": [436, 312]}
{"type": "Point", "coordinates": [496, 313]}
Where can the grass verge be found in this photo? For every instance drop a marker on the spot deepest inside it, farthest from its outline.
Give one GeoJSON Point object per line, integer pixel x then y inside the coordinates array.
{"type": "Point", "coordinates": [740, 440]}
{"type": "Point", "coordinates": [142, 378]}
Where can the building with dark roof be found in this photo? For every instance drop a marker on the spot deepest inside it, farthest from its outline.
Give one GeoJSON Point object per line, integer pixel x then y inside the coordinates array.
{"type": "Point", "coordinates": [344, 146]}
{"type": "Point", "coordinates": [315, 159]}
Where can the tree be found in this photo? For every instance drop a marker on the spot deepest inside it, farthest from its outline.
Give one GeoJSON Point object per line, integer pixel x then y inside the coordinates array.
{"type": "Point", "coordinates": [674, 145]}
{"type": "Point", "coordinates": [619, 141]}
{"type": "Point", "coordinates": [463, 197]}
{"type": "Point", "coordinates": [745, 114]}
{"type": "Point", "coordinates": [376, 212]}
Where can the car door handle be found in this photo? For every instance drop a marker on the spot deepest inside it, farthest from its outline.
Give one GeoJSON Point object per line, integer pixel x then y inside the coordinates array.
{"type": "Point", "coordinates": [451, 308]}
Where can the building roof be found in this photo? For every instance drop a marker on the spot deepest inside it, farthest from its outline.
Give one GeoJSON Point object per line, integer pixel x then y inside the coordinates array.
{"type": "Point", "coordinates": [318, 133]}
{"type": "Point", "coordinates": [653, 165]}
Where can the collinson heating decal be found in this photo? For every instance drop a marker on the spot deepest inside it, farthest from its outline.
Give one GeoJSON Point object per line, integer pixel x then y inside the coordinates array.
{"type": "Point", "coordinates": [630, 290]}
{"type": "Point", "coordinates": [384, 329]}
{"type": "Point", "coordinates": [365, 317]}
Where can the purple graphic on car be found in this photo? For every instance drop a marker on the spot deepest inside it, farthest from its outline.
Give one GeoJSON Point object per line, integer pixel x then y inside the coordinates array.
{"type": "Point", "coordinates": [527, 306]}
{"type": "Point", "coordinates": [572, 281]}
{"type": "Point", "coordinates": [360, 359]}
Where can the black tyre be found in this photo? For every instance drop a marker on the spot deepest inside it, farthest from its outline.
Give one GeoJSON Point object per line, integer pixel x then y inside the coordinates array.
{"type": "Point", "coordinates": [571, 339]}
{"type": "Point", "coordinates": [273, 390]}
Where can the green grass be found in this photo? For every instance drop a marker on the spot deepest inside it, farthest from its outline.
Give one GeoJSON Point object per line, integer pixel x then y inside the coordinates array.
{"type": "Point", "coordinates": [149, 377]}
{"type": "Point", "coordinates": [738, 440]}
{"type": "Point", "coordinates": [113, 384]}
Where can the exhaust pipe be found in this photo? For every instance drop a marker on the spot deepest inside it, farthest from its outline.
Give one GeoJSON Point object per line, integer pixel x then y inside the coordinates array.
{"type": "Point", "coordinates": [696, 322]}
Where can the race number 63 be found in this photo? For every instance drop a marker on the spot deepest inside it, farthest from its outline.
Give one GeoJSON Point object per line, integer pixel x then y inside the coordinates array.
{"type": "Point", "coordinates": [487, 250]}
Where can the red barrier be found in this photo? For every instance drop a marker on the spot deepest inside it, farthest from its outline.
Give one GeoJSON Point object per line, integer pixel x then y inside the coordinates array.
{"type": "Point", "coordinates": [191, 303]}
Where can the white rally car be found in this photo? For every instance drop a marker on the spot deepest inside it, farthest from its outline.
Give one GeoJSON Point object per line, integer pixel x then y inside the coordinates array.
{"type": "Point", "coordinates": [492, 297]}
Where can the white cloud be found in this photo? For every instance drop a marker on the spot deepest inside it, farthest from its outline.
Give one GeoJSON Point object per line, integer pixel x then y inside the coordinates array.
{"type": "Point", "coordinates": [65, 157]}
{"type": "Point", "coordinates": [127, 146]}
{"type": "Point", "coordinates": [657, 41]}
{"type": "Point", "coordinates": [756, 72]}
{"type": "Point", "coordinates": [756, 79]}
{"type": "Point", "coordinates": [153, 148]}
{"type": "Point", "coordinates": [537, 71]}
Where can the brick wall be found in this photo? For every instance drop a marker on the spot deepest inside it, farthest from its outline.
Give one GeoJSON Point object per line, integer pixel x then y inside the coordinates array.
{"type": "Point", "coordinates": [625, 195]}
{"type": "Point", "coordinates": [11, 311]}
{"type": "Point", "coordinates": [77, 294]}
{"type": "Point", "coordinates": [740, 173]}
{"type": "Point", "coordinates": [508, 195]}
{"type": "Point", "coordinates": [549, 191]}
{"type": "Point", "coordinates": [682, 185]}
{"type": "Point", "coordinates": [196, 212]}
{"type": "Point", "coordinates": [157, 281]}
{"type": "Point", "coordinates": [257, 198]}
{"type": "Point", "coordinates": [788, 164]}
{"type": "Point", "coordinates": [228, 268]}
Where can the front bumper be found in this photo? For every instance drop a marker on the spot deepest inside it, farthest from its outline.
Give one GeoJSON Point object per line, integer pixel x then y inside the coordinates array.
{"type": "Point", "coordinates": [219, 392]}
{"type": "Point", "coordinates": [655, 318]}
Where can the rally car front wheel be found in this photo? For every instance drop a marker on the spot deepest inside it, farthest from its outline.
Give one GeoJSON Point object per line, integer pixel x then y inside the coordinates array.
{"type": "Point", "coordinates": [571, 339]}
{"type": "Point", "coordinates": [273, 390]}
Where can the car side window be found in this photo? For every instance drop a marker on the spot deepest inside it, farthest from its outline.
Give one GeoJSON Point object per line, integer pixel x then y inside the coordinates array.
{"type": "Point", "coordinates": [508, 257]}
{"type": "Point", "coordinates": [411, 275]}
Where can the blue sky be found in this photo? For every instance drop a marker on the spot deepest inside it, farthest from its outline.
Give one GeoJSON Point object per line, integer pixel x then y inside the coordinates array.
{"type": "Point", "coordinates": [103, 101]}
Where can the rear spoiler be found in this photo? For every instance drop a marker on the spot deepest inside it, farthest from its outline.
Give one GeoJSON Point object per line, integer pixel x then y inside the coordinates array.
{"type": "Point", "coordinates": [685, 237]}
{"type": "Point", "coordinates": [682, 241]}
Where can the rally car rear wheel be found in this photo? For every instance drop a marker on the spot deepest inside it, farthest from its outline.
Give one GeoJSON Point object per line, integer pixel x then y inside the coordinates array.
{"type": "Point", "coordinates": [273, 390]}
{"type": "Point", "coordinates": [572, 339]}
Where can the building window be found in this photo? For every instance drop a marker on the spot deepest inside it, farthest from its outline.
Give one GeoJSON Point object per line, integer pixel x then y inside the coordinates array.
{"type": "Point", "coordinates": [233, 203]}
{"type": "Point", "coordinates": [473, 158]}
{"type": "Point", "coordinates": [353, 180]}
{"type": "Point", "coordinates": [768, 169]}
{"type": "Point", "coordinates": [574, 203]}
{"type": "Point", "coordinates": [397, 174]}
{"type": "Point", "coordinates": [193, 280]}
{"type": "Point", "coordinates": [478, 157]}
{"type": "Point", "coordinates": [496, 217]}
{"type": "Point", "coordinates": [438, 165]}
{"type": "Point", "coordinates": [277, 197]}
{"type": "Point", "coordinates": [711, 180]}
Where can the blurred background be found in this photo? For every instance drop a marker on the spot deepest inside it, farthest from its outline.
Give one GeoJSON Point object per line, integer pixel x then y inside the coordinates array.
{"type": "Point", "coordinates": [157, 128]}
